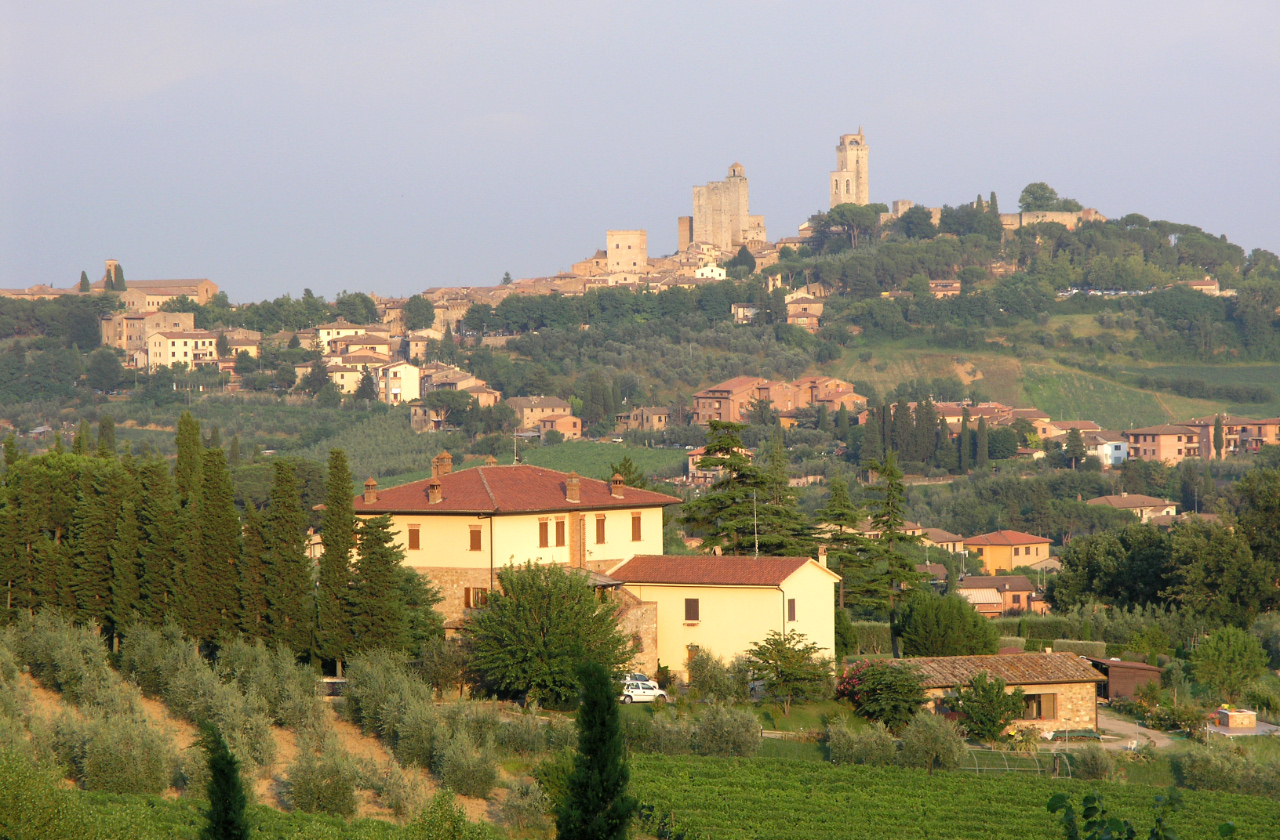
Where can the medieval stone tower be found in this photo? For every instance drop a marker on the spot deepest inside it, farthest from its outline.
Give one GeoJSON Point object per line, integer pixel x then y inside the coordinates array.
{"type": "Point", "coordinates": [721, 216]}
{"type": "Point", "coordinates": [849, 181]}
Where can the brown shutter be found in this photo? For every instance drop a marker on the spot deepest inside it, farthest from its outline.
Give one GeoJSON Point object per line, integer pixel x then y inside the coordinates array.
{"type": "Point", "coordinates": [475, 538]}
{"type": "Point", "coordinates": [791, 609]}
{"type": "Point", "coordinates": [691, 609]}
{"type": "Point", "coordinates": [599, 530]}
{"type": "Point", "coordinates": [635, 527]}
{"type": "Point", "coordinates": [559, 532]}
{"type": "Point", "coordinates": [414, 541]}
{"type": "Point", "coordinates": [544, 539]}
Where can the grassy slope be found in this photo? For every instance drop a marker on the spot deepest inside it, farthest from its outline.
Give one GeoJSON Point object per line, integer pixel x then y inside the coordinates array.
{"type": "Point", "coordinates": [782, 800]}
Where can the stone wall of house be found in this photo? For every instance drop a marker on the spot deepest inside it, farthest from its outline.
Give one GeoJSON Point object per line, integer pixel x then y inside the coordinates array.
{"type": "Point", "coordinates": [638, 620]}
{"type": "Point", "coordinates": [453, 584]}
{"type": "Point", "coordinates": [1077, 705]}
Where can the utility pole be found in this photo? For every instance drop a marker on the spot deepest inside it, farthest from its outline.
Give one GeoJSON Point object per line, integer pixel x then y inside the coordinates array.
{"type": "Point", "coordinates": [755, 523]}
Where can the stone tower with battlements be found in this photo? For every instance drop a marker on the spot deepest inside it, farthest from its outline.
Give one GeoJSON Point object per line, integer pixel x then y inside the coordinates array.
{"type": "Point", "coordinates": [721, 216]}
{"type": "Point", "coordinates": [849, 181]}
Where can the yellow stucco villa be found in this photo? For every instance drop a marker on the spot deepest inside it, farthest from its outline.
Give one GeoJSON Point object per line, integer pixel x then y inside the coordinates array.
{"type": "Point", "coordinates": [725, 605]}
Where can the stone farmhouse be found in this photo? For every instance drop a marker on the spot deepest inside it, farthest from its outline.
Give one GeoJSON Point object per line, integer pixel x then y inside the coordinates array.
{"type": "Point", "coordinates": [1143, 507]}
{"type": "Point", "coordinates": [732, 399]}
{"type": "Point", "coordinates": [530, 411]}
{"type": "Point", "coordinates": [1060, 689]}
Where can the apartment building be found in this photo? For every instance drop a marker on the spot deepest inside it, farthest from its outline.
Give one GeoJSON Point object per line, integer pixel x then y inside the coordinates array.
{"type": "Point", "coordinates": [1168, 443]}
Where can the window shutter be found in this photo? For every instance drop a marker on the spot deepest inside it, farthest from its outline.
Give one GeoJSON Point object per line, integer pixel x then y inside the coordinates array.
{"type": "Point", "coordinates": [635, 527]}
{"type": "Point", "coordinates": [475, 538]}
{"type": "Point", "coordinates": [791, 609]}
{"type": "Point", "coordinates": [544, 539]}
{"type": "Point", "coordinates": [599, 530]}
{"type": "Point", "coordinates": [559, 532]}
{"type": "Point", "coordinates": [414, 538]}
{"type": "Point", "coordinates": [691, 609]}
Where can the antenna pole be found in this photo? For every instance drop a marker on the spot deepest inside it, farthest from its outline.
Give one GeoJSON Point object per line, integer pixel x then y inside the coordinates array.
{"type": "Point", "coordinates": [755, 522]}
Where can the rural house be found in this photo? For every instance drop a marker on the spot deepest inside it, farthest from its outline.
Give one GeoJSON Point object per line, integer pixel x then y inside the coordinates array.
{"type": "Point", "coordinates": [1143, 507]}
{"type": "Point", "coordinates": [1004, 551]}
{"type": "Point", "coordinates": [726, 604]}
{"type": "Point", "coordinates": [460, 528]}
{"type": "Point", "coordinates": [998, 595]}
{"type": "Point", "coordinates": [1060, 688]}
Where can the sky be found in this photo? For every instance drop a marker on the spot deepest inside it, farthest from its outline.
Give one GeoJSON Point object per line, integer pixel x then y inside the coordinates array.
{"type": "Point", "coordinates": [274, 146]}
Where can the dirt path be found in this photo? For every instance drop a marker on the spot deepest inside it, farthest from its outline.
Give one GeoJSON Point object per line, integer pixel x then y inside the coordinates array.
{"type": "Point", "coordinates": [1127, 731]}
{"type": "Point", "coordinates": [46, 704]}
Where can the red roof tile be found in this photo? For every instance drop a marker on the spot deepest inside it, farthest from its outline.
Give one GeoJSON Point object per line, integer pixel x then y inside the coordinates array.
{"type": "Point", "coordinates": [1014, 669]}
{"type": "Point", "coordinates": [507, 489]}
{"type": "Point", "coordinates": [1006, 538]}
{"type": "Point", "coordinates": [708, 570]}
{"type": "Point", "coordinates": [1012, 583]}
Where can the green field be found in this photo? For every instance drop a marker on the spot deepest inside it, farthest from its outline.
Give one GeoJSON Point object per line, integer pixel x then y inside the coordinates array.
{"type": "Point", "coordinates": [770, 799]}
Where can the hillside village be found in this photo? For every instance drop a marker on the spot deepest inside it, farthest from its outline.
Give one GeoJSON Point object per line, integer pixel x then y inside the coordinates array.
{"type": "Point", "coordinates": [772, 562]}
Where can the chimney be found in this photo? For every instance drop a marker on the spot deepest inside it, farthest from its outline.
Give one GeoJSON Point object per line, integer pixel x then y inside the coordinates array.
{"type": "Point", "coordinates": [442, 464]}
{"type": "Point", "coordinates": [491, 461]}
{"type": "Point", "coordinates": [573, 488]}
{"type": "Point", "coordinates": [1124, 493]}
{"type": "Point", "coordinates": [615, 486]}
{"type": "Point", "coordinates": [370, 491]}
{"type": "Point", "coordinates": [434, 494]}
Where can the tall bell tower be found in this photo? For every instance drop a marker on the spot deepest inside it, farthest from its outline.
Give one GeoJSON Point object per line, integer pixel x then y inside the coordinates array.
{"type": "Point", "coordinates": [849, 181]}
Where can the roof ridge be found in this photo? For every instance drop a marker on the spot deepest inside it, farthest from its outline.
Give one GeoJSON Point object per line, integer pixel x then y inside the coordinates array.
{"type": "Point", "coordinates": [489, 492]}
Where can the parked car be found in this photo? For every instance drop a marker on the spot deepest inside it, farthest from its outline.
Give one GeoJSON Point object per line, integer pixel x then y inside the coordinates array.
{"type": "Point", "coordinates": [640, 678]}
{"type": "Point", "coordinates": [636, 692]}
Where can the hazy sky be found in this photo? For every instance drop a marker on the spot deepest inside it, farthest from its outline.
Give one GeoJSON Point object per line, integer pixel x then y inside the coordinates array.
{"type": "Point", "coordinates": [272, 146]}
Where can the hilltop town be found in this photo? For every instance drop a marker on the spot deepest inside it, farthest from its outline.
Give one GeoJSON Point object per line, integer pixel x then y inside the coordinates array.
{"type": "Point", "coordinates": [916, 489]}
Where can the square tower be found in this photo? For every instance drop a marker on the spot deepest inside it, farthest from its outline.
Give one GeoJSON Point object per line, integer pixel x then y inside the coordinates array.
{"type": "Point", "coordinates": [628, 251]}
{"type": "Point", "coordinates": [849, 181]}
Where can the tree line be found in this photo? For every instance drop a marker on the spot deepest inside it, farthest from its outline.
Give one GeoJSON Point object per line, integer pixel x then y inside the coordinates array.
{"type": "Point", "coordinates": [113, 539]}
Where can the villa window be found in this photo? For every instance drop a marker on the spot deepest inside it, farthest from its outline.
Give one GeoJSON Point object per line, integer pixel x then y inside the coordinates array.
{"type": "Point", "coordinates": [544, 538]}
{"type": "Point", "coordinates": [635, 527]}
{"type": "Point", "coordinates": [600, 529]}
{"type": "Point", "coordinates": [691, 609]}
{"type": "Point", "coordinates": [791, 609]}
{"type": "Point", "coordinates": [559, 532]}
{"type": "Point", "coordinates": [414, 538]}
{"type": "Point", "coordinates": [1041, 707]}
{"type": "Point", "coordinates": [475, 537]}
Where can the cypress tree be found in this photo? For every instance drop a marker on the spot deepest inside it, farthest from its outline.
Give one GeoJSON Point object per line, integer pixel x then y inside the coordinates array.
{"type": "Point", "coordinates": [842, 424]}
{"type": "Point", "coordinates": [892, 568]}
{"type": "Point", "coordinates": [186, 470]}
{"type": "Point", "coordinates": [106, 436]}
{"type": "Point", "coordinates": [337, 536]}
{"type": "Point", "coordinates": [903, 430]}
{"type": "Point", "coordinates": [368, 388]}
{"type": "Point", "coordinates": [377, 614]}
{"type": "Point", "coordinates": [219, 528]}
{"type": "Point", "coordinates": [1218, 440]}
{"type": "Point", "coordinates": [158, 552]}
{"type": "Point", "coordinates": [119, 285]}
{"type": "Point", "coordinates": [872, 439]}
{"type": "Point", "coordinates": [227, 800]}
{"type": "Point", "coordinates": [966, 443]}
{"type": "Point", "coordinates": [287, 568]}
{"type": "Point", "coordinates": [596, 805]}
{"type": "Point", "coordinates": [93, 531]}
{"type": "Point", "coordinates": [12, 452]}
{"type": "Point", "coordinates": [253, 593]}
{"type": "Point", "coordinates": [83, 441]}
{"type": "Point", "coordinates": [233, 452]}
{"type": "Point", "coordinates": [926, 432]}
{"type": "Point", "coordinates": [85, 287]}
{"type": "Point", "coordinates": [839, 521]}
{"type": "Point", "coordinates": [215, 439]}
{"type": "Point", "coordinates": [126, 593]}
{"type": "Point", "coordinates": [992, 207]}
{"type": "Point", "coordinates": [980, 455]}
{"type": "Point", "coordinates": [947, 457]}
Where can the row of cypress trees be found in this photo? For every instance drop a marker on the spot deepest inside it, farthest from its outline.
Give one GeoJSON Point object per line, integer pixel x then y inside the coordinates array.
{"type": "Point", "coordinates": [922, 436]}
{"type": "Point", "coordinates": [111, 538]}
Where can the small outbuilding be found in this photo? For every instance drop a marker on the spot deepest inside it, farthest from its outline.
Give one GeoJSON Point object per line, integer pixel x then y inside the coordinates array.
{"type": "Point", "coordinates": [1123, 679]}
{"type": "Point", "coordinates": [1059, 688]}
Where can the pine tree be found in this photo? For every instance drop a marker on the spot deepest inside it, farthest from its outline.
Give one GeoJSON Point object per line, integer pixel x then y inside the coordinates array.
{"type": "Point", "coordinates": [839, 522]}
{"type": "Point", "coordinates": [376, 612]}
{"type": "Point", "coordinates": [227, 799]}
{"type": "Point", "coordinates": [85, 287]}
{"type": "Point", "coordinates": [965, 443]}
{"type": "Point", "coordinates": [157, 513]}
{"type": "Point", "coordinates": [126, 593]}
{"type": "Point", "coordinates": [368, 388]}
{"type": "Point", "coordinates": [337, 535]}
{"type": "Point", "coordinates": [596, 805]}
{"type": "Point", "coordinates": [1074, 450]}
{"type": "Point", "coordinates": [253, 586]}
{"type": "Point", "coordinates": [980, 454]}
{"type": "Point", "coordinates": [106, 436]}
{"type": "Point", "coordinates": [287, 568]}
{"type": "Point", "coordinates": [885, 568]}
{"type": "Point", "coordinates": [186, 470]}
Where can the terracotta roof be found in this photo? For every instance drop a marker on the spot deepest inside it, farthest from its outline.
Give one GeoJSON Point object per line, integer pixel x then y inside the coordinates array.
{"type": "Point", "coordinates": [1125, 664]}
{"type": "Point", "coordinates": [738, 383]}
{"type": "Point", "coordinates": [1129, 500]}
{"type": "Point", "coordinates": [938, 535]}
{"type": "Point", "coordinates": [1006, 538]}
{"type": "Point", "coordinates": [1014, 669]}
{"type": "Point", "coordinates": [1012, 583]}
{"type": "Point", "coordinates": [708, 570]}
{"type": "Point", "coordinates": [1165, 429]}
{"type": "Point", "coordinates": [936, 571]}
{"type": "Point", "coordinates": [1078, 425]}
{"type": "Point", "coordinates": [514, 488]}
{"type": "Point", "coordinates": [537, 402]}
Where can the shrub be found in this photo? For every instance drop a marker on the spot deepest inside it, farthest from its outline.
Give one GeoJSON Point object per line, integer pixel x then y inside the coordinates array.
{"type": "Point", "coordinates": [1267, 628]}
{"type": "Point", "coordinates": [943, 626]}
{"type": "Point", "coordinates": [414, 733]}
{"type": "Point", "coordinates": [523, 735]}
{"type": "Point", "coordinates": [552, 774]}
{"type": "Point", "coordinates": [1092, 763]}
{"type": "Point", "coordinates": [113, 755]}
{"type": "Point", "coordinates": [670, 735]}
{"type": "Point", "coordinates": [931, 741]}
{"type": "Point", "coordinates": [871, 637]}
{"type": "Point", "coordinates": [884, 692]}
{"type": "Point", "coordinates": [725, 731]}
{"type": "Point", "coordinates": [986, 707]}
{"type": "Point", "coordinates": [1011, 641]}
{"type": "Point", "coordinates": [637, 731]}
{"type": "Point", "coordinates": [1219, 768]}
{"type": "Point", "coordinates": [525, 806]}
{"type": "Point", "coordinates": [466, 769]}
{"type": "Point", "coordinates": [288, 688]}
{"type": "Point", "coordinates": [442, 819]}
{"type": "Point", "coordinates": [872, 744]}
{"type": "Point", "coordinates": [323, 780]}
{"type": "Point", "coordinates": [713, 680]}
{"type": "Point", "coordinates": [1228, 661]}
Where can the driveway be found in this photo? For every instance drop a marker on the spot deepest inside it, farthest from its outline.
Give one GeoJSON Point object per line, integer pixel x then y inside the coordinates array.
{"type": "Point", "coordinates": [1126, 730]}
